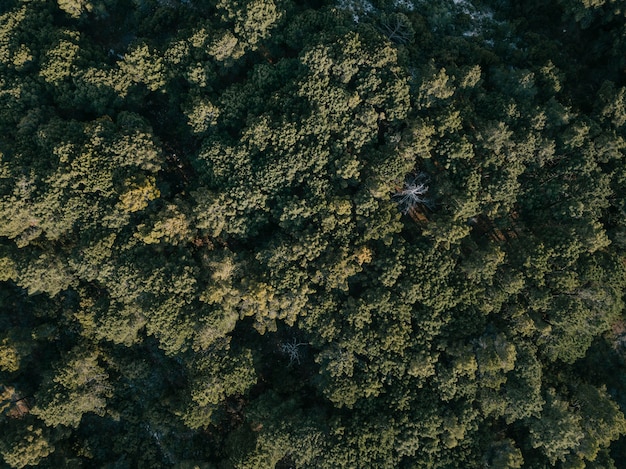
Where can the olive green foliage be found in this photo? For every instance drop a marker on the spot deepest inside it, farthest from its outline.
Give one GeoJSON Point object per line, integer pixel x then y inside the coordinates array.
{"type": "Point", "coordinates": [319, 234]}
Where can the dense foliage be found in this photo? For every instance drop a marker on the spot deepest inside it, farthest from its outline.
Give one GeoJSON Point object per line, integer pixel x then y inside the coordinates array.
{"type": "Point", "coordinates": [313, 234]}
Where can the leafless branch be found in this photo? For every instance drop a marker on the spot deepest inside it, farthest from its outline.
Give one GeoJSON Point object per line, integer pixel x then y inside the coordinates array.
{"type": "Point", "coordinates": [413, 193]}
{"type": "Point", "coordinates": [291, 349]}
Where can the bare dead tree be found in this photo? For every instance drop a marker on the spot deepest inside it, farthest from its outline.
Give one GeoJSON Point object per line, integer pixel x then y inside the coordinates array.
{"type": "Point", "coordinates": [413, 193]}
{"type": "Point", "coordinates": [397, 28]}
{"type": "Point", "coordinates": [292, 350]}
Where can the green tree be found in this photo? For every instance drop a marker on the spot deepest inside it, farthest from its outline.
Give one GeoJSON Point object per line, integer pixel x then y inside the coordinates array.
{"type": "Point", "coordinates": [78, 385]}
{"type": "Point", "coordinates": [28, 447]}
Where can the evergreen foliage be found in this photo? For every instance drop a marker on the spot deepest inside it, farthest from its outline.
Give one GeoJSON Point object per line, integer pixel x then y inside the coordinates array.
{"type": "Point", "coordinates": [313, 234]}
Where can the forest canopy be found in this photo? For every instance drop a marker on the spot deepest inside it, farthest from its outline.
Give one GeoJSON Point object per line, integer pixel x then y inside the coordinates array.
{"type": "Point", "coordinates": [315, 234]}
